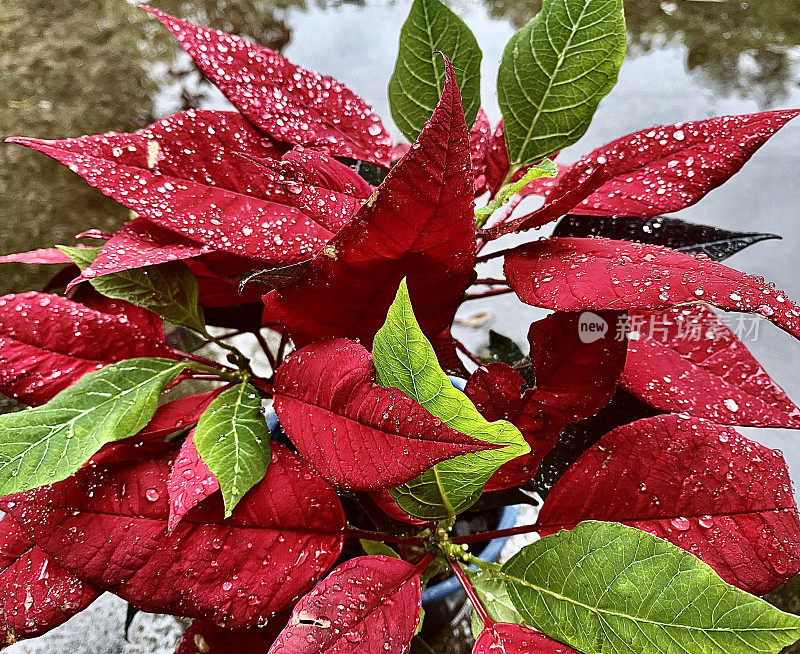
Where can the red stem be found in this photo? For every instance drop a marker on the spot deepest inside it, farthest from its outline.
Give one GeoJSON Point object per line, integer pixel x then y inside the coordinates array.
{"type": "Point", "coordinates": [263, 385]}
{"type": "Point", "coordinates": [204, 360]}
{"type": "Point", "coordinates": [493, 292]}
{"type": "Point", "coordinates": [470, 591]}
{"type": "Point", "coordinates": [265, 347]}
{"type": "Point", "coordinates": [282, 347]}
{"type": "Point", "coordinates": [469, 354]}
{"type": "Point", "coordinates": [497, 533]}
{"type": "Point", "coordinates": [424, 563]}
{"type": "Point", "coordinates": [490, 281]}
{"type": "Point", "coordinates": [381, 537]}
{"type": "Point", "coordinates": [492, 255]}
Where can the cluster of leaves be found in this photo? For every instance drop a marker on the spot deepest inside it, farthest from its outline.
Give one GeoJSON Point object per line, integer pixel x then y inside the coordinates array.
{"type": "Point", "coordinates": [143, 467]}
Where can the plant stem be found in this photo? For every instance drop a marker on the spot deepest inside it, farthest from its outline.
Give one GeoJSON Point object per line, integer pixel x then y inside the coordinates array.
{"type": "Point", "coordinates": [282, 347]}
{"type": "Point", "coordinates": [490, 281]}
{"type": "Point", "coordinates": [497, 533]}
{"type": "Point", "coordinates": [480, 609]}
{"type": "Point", "coordinates": [467, 352]}
{"type": "Point", "coordinates": [492, 255]}
{"type": "Point", "coordinates": [424, 563]}
{"type": "Point", "coordinates": [382, 537]}
{"type": "Point", "coordinates": [491, 293]}
{"type": "Point", "coordinates": [265, 347]}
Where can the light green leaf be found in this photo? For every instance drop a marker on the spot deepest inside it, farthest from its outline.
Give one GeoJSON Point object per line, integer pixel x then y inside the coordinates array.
{"type": "Point", "coordinates": [49, 443]}
{"type": "Point", "coordinates": [404, 359]}
{"type": "Point", "coordinates": [492, 592]}
{"type": "Point", "coordinates": [167, 289]}
{"type": "Point", "coordinates": [233, 439]}
{"type": "Point", "coordinates": [604, 588]}
{"type": "Point", "coordinates": [419, 74]}
{"type": "Point", "coordinates": [544, 169]}
{"type": "Point", "coordinates": [554, 73]}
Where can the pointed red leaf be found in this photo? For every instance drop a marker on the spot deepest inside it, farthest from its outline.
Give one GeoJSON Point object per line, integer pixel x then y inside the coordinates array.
{"type": "Point", "coordinates": [387, 504]}
{"type": "Point", "coordinates": [418, 225]}
{"type": "Point", "coordinates": [368, 605]}
{"type": "Point", "coordinates": [44, 255]}
{"type": "Point", "coordinates": [36, 593]}
{"type": "Point", "coordinates": [506, 638]}
{"type": "Point", "coordinates": [497, 165]}
{"type": "Point", "coordinates": [574, 274]}
{"type": "Point", "coordinates": [574, 380]}
{"type": "Point", "coordinates": [357, 434]}
{"type": "Point", "coordinates": [701, 486]}
{"type": "Point", "coordinates": [189, 483]}
{"type": "Point", "coordinates": [288, 102]}
{"type": "Point", "coordinates": [183, 174]}
{"type": "Point", "coordinates": [109, 527]}
{"type": "Point", "coordinates": [685, 360]}
{"type": "Point", "coordinates": [666, 168]}
{"type": "Point", "coordinates": [204, 637]}
{"type": "Point", "coordinates": [140, 243]}
{"type": "Point", "coordinates": [320, 169]}
{"type": "Point", "coordinates": [479, 137]}
{"type": "Point", "coordinates": [48, 342]}
{"type": "Point", "coordinates": [178, 414]}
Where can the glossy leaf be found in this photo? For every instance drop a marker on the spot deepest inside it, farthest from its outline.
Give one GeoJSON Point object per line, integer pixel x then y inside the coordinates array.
{"type": "Point", "coordinates": [140, 244]}
{"type": "Point", "coordinates": [233, 439]}
{"type": "Point", "coordinates": [290, 103]}
{"type": "Point", "coordinates": [370, 604]}
{"type": "Point", "coordinates": [686, 360]}
{"type": "Point", "coordinates": [404, 359]}
{"type": "Point", "coordinates": [37, 593]}
{"type": "Point", "coordinates": [357, 434]}
{"type": "Point", "coordinates": [184, 174]}
{"type": "Point", "coordinates": [48, 342]}
{"type": "Point", "coordinates": [168, 289]}
{"type": "Point", "coordinates": [573, 379]}
{"type": "Point", "coordinates": [667, 168]}
{"type": "Point", "coordinates": [504, 638]}
{"type": "Point", "coordinates": [701, 486]}
{"type": "Point", "coordinates": [419, 225]}
{"type": "Point", "coordinates": [604, 587]}
{"type": "Point", "coordinates": [189, 482]}
{"type": "Point", "coordinates": [715, 243]}
{"type": "Point", "coordinates": [49, 443]}
{"type": "Point", "coordinates": [574, 274]}
{"type": "Point", "coordinates": [109, 527]}
{"type": "Point", "coordinates": [177, 414]}
{"type": "Point", "coordinates": [479, 138]}
{"type": "Point", "coordinates": [42, 255]}
{"type": "Point", "coordinates": [554, 73]}
{"type": "Point", "coordinates": [431, 30]}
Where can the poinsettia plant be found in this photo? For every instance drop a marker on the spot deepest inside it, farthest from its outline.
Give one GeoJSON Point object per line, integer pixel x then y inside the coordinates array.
{"type": "Point", "coordinates": [302, 505]}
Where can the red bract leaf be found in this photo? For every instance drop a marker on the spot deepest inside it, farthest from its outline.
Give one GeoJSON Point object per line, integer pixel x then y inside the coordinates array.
{"type": "Point", "coordinates": [36, 593]}
{"type": "Point", "coordinates": [288, 102]}
{"type": "Point", "coordinates": [573, 274]}
{"type": "Point", "coordinates": [701, 486]}
{"type": "Point", "coordinates": [44, 255]}
{"type": "Point", "coordinates": [505, 638]}
{"type": "Point", "coordinates": [178, 414]}
{"type": "Point", "coordinates": [322, 170]}
{"type": "Point", "coordinates": [182, 173]}
{"type": "Point", "coordinates": [109, 527]}
{"type": "Point", "coordinates": [357, 434]}
{"type": "Point", "coordinates": [204, 637]}
{"type": "Point", "coordinates": [575, 378]}
{"type": "Point", "coordinates": [189, 483]}
{"type": "Point", "coordinates": [667, 168]}
{"type": "Point", "coordinates": [687, 360]}
{"type": "Point", "coordinates": [387, 504]}
{"type": "Point", "coordinates": [479, 137]}
{"type": "Point", "coordinates": [48, 342]}
{"type": "Point", "coordinates": [141, 243]}
{"type": "Point", "coordinates": [369, 605]}
{"type": "Point", "coordinates": [419, 225]}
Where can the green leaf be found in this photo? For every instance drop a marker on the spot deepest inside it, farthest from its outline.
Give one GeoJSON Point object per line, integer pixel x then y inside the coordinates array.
{"type": "Point", "coordinates": [167, 289]}
{"type": "Point", "coordinates": [49, 443]}
{"type": "Point", "coordinates": [419, 73]}
{"type": "Point", "coordinates": [504, 350]}
{"type": "Point", "coordinates": [604, 588]}
{"type": "Point", "coordinates": [492, 591]}
{"type": "Point", "coordinates": [544, 169]}
{"type": "Point", "coordinates": [554, 73]}
{"type": "Point", "coordinates": [404, 359]}
{"type": "Point", "coordinates": [233, 439]}
{"type": "Point", "coordinates": [376, 548]}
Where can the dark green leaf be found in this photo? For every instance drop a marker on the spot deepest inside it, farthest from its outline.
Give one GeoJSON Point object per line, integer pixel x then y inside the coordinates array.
{"type": "Point", "coordinates": [715, 243]}
{"type": "Point", "coordinates": [168, 289]}
{"type": "Point", "coordinates": [233, 440]}
{"type": "Point", "coordinates": [554, 73]}
{"type": "Point", "coordinates": [419, 74]}
{"type": "Point", "coordinates": [49, 443]}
